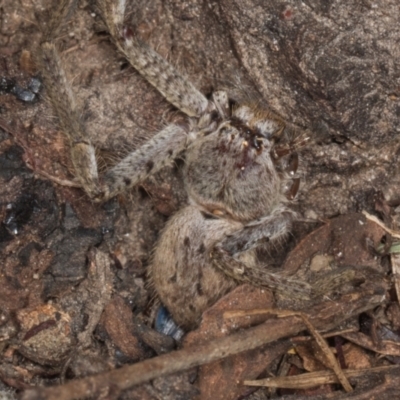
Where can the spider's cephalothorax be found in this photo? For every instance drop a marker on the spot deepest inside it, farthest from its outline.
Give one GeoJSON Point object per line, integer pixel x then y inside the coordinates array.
{"type": "Point", "coordinates": [231, 170]}
{"type": "Point", "coordinates": [239, 174]}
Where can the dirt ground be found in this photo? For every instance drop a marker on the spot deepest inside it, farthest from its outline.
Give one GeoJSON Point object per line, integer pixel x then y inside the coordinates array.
{"type": "Point", "coordinates": [73, 295]}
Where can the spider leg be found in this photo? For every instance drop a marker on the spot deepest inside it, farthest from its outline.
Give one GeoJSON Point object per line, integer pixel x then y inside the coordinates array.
{"type": "Point", "coordinates": [299, 140]}
{"type": "Point", "coordinates": [64, 105]}
{"type": "Point", "coordinates": [159, 151]}
{"type": "Point", "coordinates": [152, 156]}
{"type": "Point", "coordinates": [269, 229]}
{"type": "Point", "coordinates": [157, 71]}
{"type": "Point", "coordinates": [221, 101]}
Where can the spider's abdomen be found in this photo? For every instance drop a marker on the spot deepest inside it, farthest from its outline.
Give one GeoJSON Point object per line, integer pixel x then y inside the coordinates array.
{"type": "Point", "coordinates": [229, 171]}
{"type": "Point", "coordinates": [182, 271]}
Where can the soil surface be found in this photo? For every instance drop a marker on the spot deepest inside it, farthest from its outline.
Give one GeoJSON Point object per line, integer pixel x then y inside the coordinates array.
{"type": "Point", "coordinates": [74, 299]}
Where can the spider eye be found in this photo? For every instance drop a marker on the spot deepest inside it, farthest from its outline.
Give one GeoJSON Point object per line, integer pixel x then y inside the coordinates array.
{"type": "Point", "coordinates": [257, 142]}
{"type": "Point", "coordinates": [214, 116]}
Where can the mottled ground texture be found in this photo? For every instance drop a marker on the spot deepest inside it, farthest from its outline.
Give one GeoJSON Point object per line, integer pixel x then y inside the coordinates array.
{"type": "Point", "coordinates": [73, 293]}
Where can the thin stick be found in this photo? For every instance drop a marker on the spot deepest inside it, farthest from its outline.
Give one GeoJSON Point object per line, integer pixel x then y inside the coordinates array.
{"type": "Point", "coordinates": [372, 218]}
{"type": "Point", "coordinates": [58, 181]}
{"type": "Point", "coordinates": [330, 358]}
{"type": "Point", "coordinates": [313, 379]}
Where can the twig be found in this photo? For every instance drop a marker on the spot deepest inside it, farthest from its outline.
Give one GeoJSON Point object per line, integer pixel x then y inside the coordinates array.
{"type": "Point", "coordinates": [58, 181]}
{"type": "Point", "coordinates": [313, 379]}
{"type": "Point", "coordinates": [330, 358]}
{"type": "Point", "coordinates": [385, 347]}
{"type": "Point", "coordinates": [372, 218]}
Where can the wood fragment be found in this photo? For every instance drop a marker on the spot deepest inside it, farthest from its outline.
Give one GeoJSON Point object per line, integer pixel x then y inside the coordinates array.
{"type": "Point", "coordinates": [96, 290]}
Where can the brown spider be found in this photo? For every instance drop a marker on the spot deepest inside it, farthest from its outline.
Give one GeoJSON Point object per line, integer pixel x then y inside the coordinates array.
{"type": "Point", "coordinates": [239, 173]}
